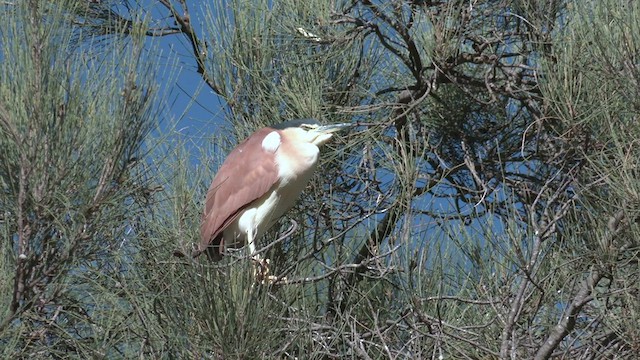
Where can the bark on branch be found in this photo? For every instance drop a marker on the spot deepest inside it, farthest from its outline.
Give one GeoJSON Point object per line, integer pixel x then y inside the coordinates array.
{"type": "Point", "coordinates": [198, 47]}
{"type": "Point", "coordinates": [582, 297]}
{"type": "Point", "coordinates": [568, 322]}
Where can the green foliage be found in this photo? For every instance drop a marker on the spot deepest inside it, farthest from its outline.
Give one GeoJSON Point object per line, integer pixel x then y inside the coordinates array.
{"type": "Point", "coordinates": [281, 60]}
{"type": "Point", "coordinates": [72, 124]}
{"type": "Point", "coordinates": [485, 207]}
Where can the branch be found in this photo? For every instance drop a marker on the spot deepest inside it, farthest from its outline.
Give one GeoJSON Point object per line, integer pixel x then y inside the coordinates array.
{"type": "Point", "coordinates": [384, 229]}
{"type": "Point", "coordinates": [199, 50]}
{"type": "Point", "coordinates": [331, 271]}
{"type": "Point", "coordinates": [582, 297]}
{"type": "Point", "coordinates": [569, 320]}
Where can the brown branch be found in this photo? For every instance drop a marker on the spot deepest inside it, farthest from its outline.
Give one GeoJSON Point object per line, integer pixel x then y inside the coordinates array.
{"type": "Point", "coordinates": [198, 48]}
{"type": "Point", "coordinates": [24, 230]}
{"type": "Point", "coordinates": [413, 61]}
{"type": "Point", "coordinates": [582, 297]}
{"type": "Point", "coordinates": [529, 270]}
{"type": "Point", "coordinates": [568, 322]}
{"type": "Point", "coordinates": [23, 236]}
{"type": "Point", "coordinates": [368, 249]}
{"type": "Point", "coordinates": [438, 328]}
{"type": "Point", "coordinates": [332, 271]}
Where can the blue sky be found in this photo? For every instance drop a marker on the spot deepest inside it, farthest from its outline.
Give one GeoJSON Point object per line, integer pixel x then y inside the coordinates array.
{"type": "Point", "coordinates": [195, 112]}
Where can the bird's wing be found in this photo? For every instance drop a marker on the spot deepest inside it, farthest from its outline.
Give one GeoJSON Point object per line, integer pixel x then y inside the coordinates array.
{"type": "Point", "coordinates": [248, 173]}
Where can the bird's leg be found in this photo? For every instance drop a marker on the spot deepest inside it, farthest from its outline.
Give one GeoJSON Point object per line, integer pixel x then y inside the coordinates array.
{"type": "Point", "coordinates": [261, 271]}
{"type": "Point", "coordinates": [252, 245]}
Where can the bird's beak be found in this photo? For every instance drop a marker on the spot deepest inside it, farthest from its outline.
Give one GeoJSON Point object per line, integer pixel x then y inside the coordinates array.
{"type": "Point", "coordinates": [331, 128]}
{"type": "Point", "coordinates": [325, 132]}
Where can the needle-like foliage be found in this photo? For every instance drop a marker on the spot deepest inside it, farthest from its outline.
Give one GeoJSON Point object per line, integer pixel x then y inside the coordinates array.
{"type": "Point", "coordinates": [485, 205]}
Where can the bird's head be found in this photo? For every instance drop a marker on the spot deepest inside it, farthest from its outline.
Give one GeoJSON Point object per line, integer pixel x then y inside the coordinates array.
{"type": "Point", "coordinates": [309, 130]}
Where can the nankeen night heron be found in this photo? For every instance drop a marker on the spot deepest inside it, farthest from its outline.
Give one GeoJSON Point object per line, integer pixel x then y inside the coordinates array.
{"type": "Point", "coordinates": [258, 183]}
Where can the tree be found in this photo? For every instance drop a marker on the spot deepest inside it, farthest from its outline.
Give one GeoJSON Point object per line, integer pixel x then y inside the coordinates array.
{"type": "Point", "coordinates": [73, 118]}
{"type": "Point", "coordinates": [484, 207]}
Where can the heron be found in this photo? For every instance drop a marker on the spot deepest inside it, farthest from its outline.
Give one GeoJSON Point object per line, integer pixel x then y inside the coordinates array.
{"type": "Point", "coordinates": [259, 181]}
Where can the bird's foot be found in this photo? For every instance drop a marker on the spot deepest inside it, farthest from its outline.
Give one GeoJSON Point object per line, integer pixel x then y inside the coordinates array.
{"type": "Point", "coordinates": [262, 272]}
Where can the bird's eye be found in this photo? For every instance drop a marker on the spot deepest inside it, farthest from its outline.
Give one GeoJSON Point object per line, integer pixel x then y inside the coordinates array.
{"type": "Point", "coordinates": [308, 126]}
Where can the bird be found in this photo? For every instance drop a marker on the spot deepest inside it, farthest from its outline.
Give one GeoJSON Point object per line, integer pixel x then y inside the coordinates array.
{"type": "Point", "coordinates": [259, 181]}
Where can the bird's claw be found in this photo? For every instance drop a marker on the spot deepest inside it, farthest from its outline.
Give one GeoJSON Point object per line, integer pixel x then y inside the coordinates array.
{"type": "Point", "coordinates": [261, 269]}
{"type": "Point", "coordinates": [262, 272]}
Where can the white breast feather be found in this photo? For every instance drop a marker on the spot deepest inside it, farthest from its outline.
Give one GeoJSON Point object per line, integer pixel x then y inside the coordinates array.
{"type": "Point", "coordinates": [298, 168]}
